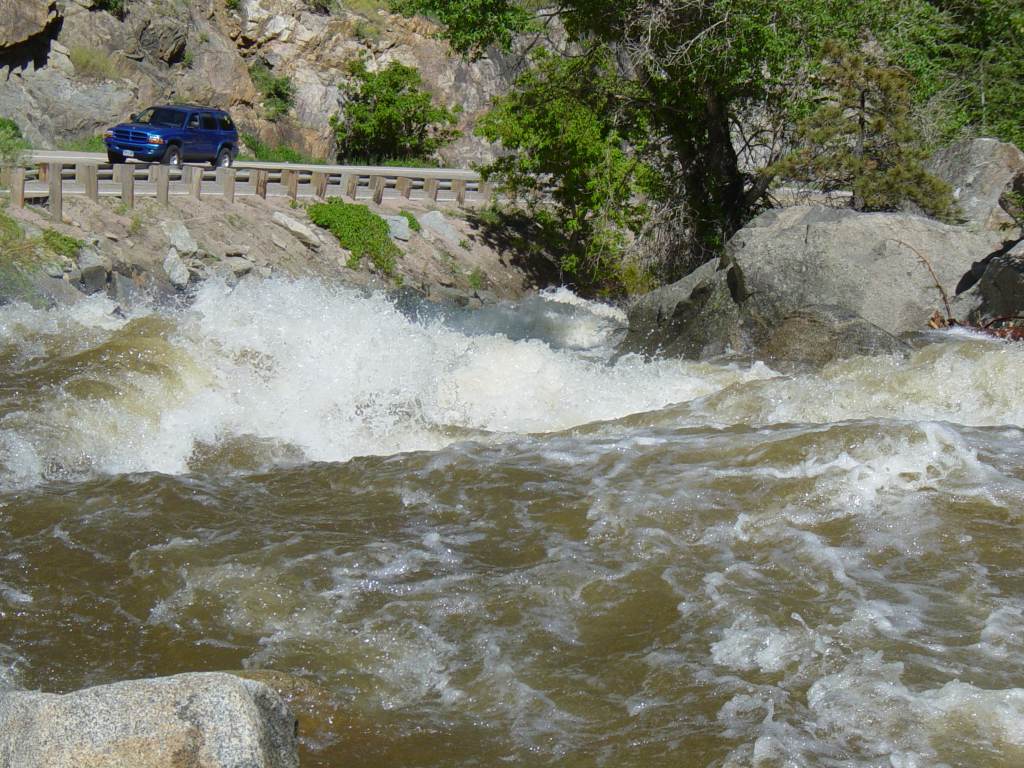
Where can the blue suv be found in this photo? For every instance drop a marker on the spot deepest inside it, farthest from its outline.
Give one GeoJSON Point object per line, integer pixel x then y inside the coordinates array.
{"type": "Point", "coordinates": [173, 135]}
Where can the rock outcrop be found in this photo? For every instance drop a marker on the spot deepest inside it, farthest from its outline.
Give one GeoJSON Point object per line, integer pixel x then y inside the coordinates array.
{"type": "Point", "coordinates": [197, 720]}
{"type": "Point", "coordinates": [24, 20]}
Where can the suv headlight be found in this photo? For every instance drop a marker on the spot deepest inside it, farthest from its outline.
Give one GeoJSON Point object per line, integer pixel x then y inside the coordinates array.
{"type": "Point", "coordinates": [108, 134]}
{"type": "Point", "coordinates": [156, 140]}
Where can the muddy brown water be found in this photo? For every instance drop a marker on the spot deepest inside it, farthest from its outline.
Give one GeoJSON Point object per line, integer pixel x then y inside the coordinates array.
{"type": "Point", "coordinates": [480, 543]}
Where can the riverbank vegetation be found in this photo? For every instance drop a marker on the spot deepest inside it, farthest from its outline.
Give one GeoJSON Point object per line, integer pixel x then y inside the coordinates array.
{"type": "Point", "coordinates": [661, 128]}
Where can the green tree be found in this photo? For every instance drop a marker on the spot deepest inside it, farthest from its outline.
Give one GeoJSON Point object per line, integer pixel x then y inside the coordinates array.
{"type": "Point", "coordinates": [388, 115]}
{"type": "Point", "coordinates": [696, 70]}
{"type": "Point", "coordinates": [559, 123]}
{"type": "Point", "coordinates": [860, 138]}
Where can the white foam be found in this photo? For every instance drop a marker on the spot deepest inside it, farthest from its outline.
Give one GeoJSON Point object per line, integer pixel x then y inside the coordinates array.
{"type": "Point", "coordinates": [327, 372]}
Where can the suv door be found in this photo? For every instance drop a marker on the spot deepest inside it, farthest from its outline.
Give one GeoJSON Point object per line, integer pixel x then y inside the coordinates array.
{"type": "Point", "coordinates": [193, 146]}
{"type": "Point", "coordinates": [211, 135]}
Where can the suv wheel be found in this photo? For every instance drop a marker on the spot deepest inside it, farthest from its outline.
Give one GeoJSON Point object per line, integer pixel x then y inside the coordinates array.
{"type": "Point", "coordinates": [223, 159]}
{"type": "Point", "coordinates": [172, 156]}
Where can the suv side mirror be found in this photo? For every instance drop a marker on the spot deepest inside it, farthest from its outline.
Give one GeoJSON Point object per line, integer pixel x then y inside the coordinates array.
{"type": "Point", "coordinates": [133, 116]}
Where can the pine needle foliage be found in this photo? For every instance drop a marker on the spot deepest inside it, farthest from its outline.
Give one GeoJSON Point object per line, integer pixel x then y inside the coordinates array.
{"type": "Point", "coordinates": [860, 137]}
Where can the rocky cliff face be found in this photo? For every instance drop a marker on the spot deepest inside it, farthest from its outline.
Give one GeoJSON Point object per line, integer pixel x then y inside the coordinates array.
{"type": "Point", "coordinates": [68, 68]}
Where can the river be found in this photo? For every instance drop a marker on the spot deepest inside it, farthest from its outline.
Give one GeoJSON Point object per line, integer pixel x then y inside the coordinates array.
{"type": "Point", "coordinates": [487, 543]}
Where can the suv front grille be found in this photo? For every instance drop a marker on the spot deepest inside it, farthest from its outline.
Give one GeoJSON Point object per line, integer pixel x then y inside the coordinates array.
{"type": "Point", "coordinates": [136, 137]}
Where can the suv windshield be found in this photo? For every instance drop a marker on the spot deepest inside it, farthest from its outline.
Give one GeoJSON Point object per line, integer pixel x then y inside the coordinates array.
{"type": "Point", "coordinates": [161, 116]}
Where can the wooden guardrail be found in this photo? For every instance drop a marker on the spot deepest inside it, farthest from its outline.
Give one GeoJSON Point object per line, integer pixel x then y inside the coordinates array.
{"type": "Point", "coordinates": [51, 177]}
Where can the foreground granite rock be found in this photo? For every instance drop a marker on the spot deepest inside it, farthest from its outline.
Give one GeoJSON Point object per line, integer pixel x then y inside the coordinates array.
{"type": "Point", "coordinates": [196, 720]}
{"type": "Point", "coordinates": [811, 284]}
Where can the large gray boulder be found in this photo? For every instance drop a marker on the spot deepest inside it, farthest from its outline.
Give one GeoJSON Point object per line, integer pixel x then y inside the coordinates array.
{"type": "Point", "coordinates": [196, 720]}
{"type": "Point", "coordinates": [813, 284]}
{"type": "Point", "coordinates": [694, 317]}
{"type": "Point", "coordinates": [870, 264]}
{"type": "Point", "coordinates": [982, 172]}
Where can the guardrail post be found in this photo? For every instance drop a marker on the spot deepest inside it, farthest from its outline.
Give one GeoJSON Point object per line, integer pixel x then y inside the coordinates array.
{"type": "Point", "coordinates": [128, 186]}
{"type": "Point", "coordinates": [194, 181]}
{"type": "Point", "coordinates": [226, 179]}
{"type": "Point", "coordinates": [430, 189]}
{"type": "Point", "coordinates": [261, 176]}
{"type": "Point", "coordinates": [290, 180]}
{"type": "Point", "coordinates": [404, 186]}
{"type": "Point", "coordinates": [56, 192]}
{"type": "Point", "coordinates": [44, 173]}
{"type": "Point", "coordinates": [377, 187]}
{"type": "Point", "coordinates": [459, 188]}
{"type": "Point", "coordinates": [319, 184]}
{"type": "Point", "coordinates": [85, 174]}
{"type": "Point", "coordinates": [17, 181]}
{"type": "Point", "coordinates": [162, 178]}
{"type": "Point", "coordinates": [152, 171]}
{"type": "Point", "coordinates": [350, 185]}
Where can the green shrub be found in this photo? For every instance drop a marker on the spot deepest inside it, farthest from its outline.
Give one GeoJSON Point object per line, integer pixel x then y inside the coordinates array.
{"type": "Point", "coordinates": [93, 63]}
{"type": "Point", "coordinates": [259, 150]}
{"type": "Point", "coordinates": [12, 143]}
{"type": "Point", "coordinates": [414, 223]}
{"type": "Point", "coordinates": [20, 260]}
{"type": "Point", "coordinates": [62, 245]}
{"type": "Point", "coordinates": [278, 92]}
{"type": "Point", "coordinates": [358, 230]}
{"type": "Point", "coordinates": [389, 115]}
{"type": "Point", "coordinates": [232, 5]}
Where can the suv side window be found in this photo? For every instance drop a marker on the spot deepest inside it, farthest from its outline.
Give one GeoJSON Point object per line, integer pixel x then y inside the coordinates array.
{"type": "Point", "coordinates": [193, 121]}
{"type": "Point", "coordinates": [209, 124]}
{"type": "Point", "coordinates": [225, 123]}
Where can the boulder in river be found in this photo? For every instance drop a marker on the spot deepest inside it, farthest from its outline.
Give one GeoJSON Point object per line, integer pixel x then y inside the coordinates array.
{"type": "Point", "coordinates": [884, 267]}
{"type": "Point", "coordinates": [693, 317]}
{"type": "Point", "coordinates": [810, 284]}
{"type": "Point", "coordinates": [176, 269]}
{"type": "Point", "coordinates": [94, 268]}
{"type": "Point", "coordinates": [1001, 288]}
{"type": "Point", "coordinates": [195, 720]}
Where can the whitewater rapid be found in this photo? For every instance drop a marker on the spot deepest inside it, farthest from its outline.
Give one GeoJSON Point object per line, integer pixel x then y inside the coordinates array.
{"type": "Point", "coordinates": [491, 540]}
